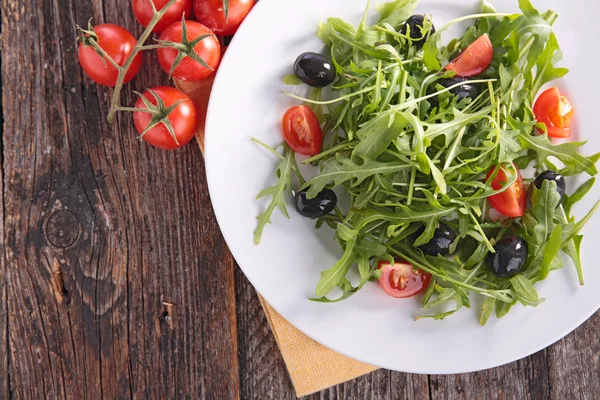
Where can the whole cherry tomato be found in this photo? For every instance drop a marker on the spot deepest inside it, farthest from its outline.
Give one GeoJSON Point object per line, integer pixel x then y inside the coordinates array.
{"type": "Point", "coordinates": [118, 43]}
{"type": "Point", "coordinates": [171, 120]}
{"type": "Point", "coordinates": [142, 9]}
{"type": "Point", "coordinates": [222, 16]}
{"type": "Point", "coordinates": [193, 56]}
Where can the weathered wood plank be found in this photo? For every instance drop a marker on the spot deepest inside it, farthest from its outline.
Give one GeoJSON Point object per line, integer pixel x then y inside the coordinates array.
{"type": "Point", "coordinates": [376, 386]}
{"type": "Point", "coordinates": [409, 386]}
{"type": "Point", "coordinates": [4, 376]}
{"type": "Point", "coordinates": [524, 379]}
{"type": "Point", "coordinates": [574, 363]}
{"type": "Point", "coordinates": [118, 281]}
{"type": "Point", "coordinates": [262, 371]}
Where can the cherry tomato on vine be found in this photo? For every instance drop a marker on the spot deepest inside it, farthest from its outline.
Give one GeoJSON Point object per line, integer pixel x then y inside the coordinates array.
{"type": "Point", "coordinates": [402, 280]}
{"type": "Point", "coordinates": [474, 59]}
{"type": "Point", "coordinates": [171, 120]}
{"type": "Point", "coordinates": [513, 201]}
{"type": "Point", "coordinates": [190, 57]}
{"type": "Point", "coordinates": [213, 14]}
{"type": "Point", "coordinates": [302, 130]}
{"type": "Point", "coordinates": [142, 9]}
{"type": "Point", "coordinates": [555, 111]}
{"type": "Point", "coordinates": [118, 43]}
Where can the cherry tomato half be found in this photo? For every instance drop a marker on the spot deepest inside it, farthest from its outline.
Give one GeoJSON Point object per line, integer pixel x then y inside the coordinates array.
{"type": "Point", "coordinates": [302, 131]}
{"type": "Point", "coordinates": [513, 201]}
{"type": "Point", "coordinates": [555, 111]}
{"type": "Point", "coordinates": [183, 119]}
{"type": "Point", "coordinates": [118, 43]}
{"type": "Point", "coordinates": [212, 14]}
{"type": "Point", "coordinates": [143, 12]}
{"type": "Point", "coordinates": [402, 280]}
{"type": "Point", "coordinates": [474, 59]}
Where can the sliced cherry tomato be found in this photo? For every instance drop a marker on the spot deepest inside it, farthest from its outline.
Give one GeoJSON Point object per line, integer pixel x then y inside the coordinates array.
{"type": "Point", "coordinates": [513, 201]}
{"type": "Point", "coordinates": [302, 131]}
{"type": "Point", "coordinates": [555, 111]}
{"type": "Point", "coordinates": [188, 68]}
{"type": "Point", "coordinates": [474, 59]}
{"type": "Point", "coordinates": [402, 280]}
{"type": "Point", "coordinates": [142, 9]}
{"type": "Point", "coordinates": [183, 118]}
{"type": "Point", "coordinates": [212, 14]}
{"type": "Point", "coordinates": [118, 43]}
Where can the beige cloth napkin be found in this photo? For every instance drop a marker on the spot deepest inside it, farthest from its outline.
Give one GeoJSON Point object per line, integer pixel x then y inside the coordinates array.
{"type": "Point", "coordinates": [312, 367]}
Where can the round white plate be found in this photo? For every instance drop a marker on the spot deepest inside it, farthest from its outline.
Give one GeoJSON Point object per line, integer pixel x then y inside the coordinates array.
{"type": "Point", "coordinates": [285, 268]}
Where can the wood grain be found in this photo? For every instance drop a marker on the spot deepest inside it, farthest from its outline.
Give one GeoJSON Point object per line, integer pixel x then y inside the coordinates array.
{"type": "Point", "coordinates": [262, 370]}
{"type": "Point", "coordinates": [119, 284]}
{"type": "Point", "coordinates": [574, 363]}
{"type": "Point", "coordinates": [4, 376]}
{"type": "Point", "coordinates": [115, 281]}
{"type": "Point", "coordinates": [524, 379]}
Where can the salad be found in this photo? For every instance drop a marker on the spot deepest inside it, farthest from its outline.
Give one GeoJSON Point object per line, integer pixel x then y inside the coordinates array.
{"type": "Point", "coordinates": [447, 153]}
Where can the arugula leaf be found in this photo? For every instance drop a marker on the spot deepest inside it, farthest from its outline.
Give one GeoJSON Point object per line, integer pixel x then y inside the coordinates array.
{"type": "Point", "coordinates": [509, 146]}
{"type": "Point", "coordinates": [432, 49]}
{"type": "Point", "coordinates": [551, 251]}
{"type": "Point", "coordinates": [292, 79]}
{"type": "Point", "coordinates": [486, 310]}
{"type": "Point", "coordinates": [365, 250]}
{"type": "Point", "coordinates": [348, 291]}
{"type": "Point", "coordinates": [451, 128]}
{"type": "Point", "coordinates": [327, 30]}
{"type": "Point", "coordinates": [403, 215]}
{"type": "Point", "coordinates": [572, 249]}
{"type": "Point", "coordinates": [279, 193]}
{"type": "Point", "coordinates": [544, 202]}
{"type": "Point", "coordinates": [378, 138]}
{"type": "Point", "coordinates": [570, 200]}
{"type": "Point", "coordinates": [459, 295]}
{"type": "Point", "coordinates": [573, 229]}
{"type": "Point", "coordinates": [524, 291]}
{"type": "Point", "coordinates": [396, 12]}
{"type": "Point", "coordinates": [337, 273]}
{"type": "Point", "coordinates": [546, 70]}
{"type": "Point", "coordinates": [568, 153]}
{"type": "Point", "coordinates": [487, 7]}
{"type": "Point", "coordinates": [341, 170]}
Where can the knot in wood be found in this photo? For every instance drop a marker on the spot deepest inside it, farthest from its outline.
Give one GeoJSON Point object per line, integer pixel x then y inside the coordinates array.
{"type": "Point", "coordinates": [62, 229]}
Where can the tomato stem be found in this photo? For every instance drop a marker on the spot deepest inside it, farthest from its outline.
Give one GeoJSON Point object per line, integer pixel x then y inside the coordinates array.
{"type": "Point", "coordinates": [104, 54]}
{"type": "Point", "coordinates": [133, 109]}
{"type": "Point", "coordinates": [151, 47]}
{"type": "Point", "coordinates": [115, 104]}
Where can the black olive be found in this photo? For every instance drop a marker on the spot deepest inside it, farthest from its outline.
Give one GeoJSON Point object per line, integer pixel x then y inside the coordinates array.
{"type": "Point", "coordinates": [465, 90]}
{"type": "Point", "coordinates": [314, 69]}
{"type": "Point", "coordinates": [443, 237]}
{"type": "Point", "coordinates": [552, 176]}
{"type": "Point", "coordinates": [321, 205]}
{"type": "Point", "coordinates": [415, 23]}
{"type": "Point", "coordinates": [510, 256]}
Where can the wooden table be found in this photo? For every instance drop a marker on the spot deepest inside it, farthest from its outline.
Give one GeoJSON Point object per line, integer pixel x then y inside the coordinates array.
{"type": "Point", "coordinates": [116, 281]}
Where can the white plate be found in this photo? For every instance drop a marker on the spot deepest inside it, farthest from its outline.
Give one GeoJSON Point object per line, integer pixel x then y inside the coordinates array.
{"type": "Point", "coordinates": [372, 327]}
